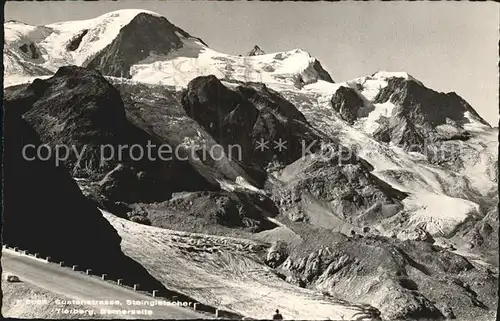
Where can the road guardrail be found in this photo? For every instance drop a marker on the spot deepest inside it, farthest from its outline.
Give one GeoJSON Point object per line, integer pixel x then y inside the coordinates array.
{"type": "Point", "coordinates": [197, 306]}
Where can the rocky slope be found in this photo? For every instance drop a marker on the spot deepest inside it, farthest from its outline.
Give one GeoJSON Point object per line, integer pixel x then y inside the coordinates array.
{"type": "Point", "coordinates": [78, 108]}
{"type": "Point", "coordinates": [247, 115]}
{"type": "Point", "coordinates": [421, 115]}
{"type": "Point", "coordinates": [216, 211]}
{"type": "Point", "coordinates": [335, 192]}
{"type": "Point", "coordinates": [404, 279]}
{"type": "Point", "coordinates": [81, 116]}
{"type": "Point", "coordinates": [460, 173]}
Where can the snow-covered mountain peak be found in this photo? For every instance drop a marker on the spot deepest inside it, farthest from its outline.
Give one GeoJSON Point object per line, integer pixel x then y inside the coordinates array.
{"type": "Point", "coordinates": [126, 13]}
{"type": "Point", "coordinates": [256, 51]}
{"type": "Point", "coordinates": [370, 86]}
{"type": "Point", "coordinates": [122, 16]}
{"type": "Point", "coordinates": [102, 42]}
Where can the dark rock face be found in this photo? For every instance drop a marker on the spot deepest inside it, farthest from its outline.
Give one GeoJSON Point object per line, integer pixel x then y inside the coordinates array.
{"type": "Point", "coordinates": [400, 131]}
{"type": "Point", "coordinates": [145, 34]}
{"type": "Point", "coordinates": [124, 184]}
{"type": "Point", "coordinates": [45, 212]}
{"type": "Point", "coordinates": [247, 115]}
{"type": "Point", "coordinates": [75, 42]}
{"type": "Point", "coordinates": [159, 110]}
{"type": "Point", "coordinates": [256, 51]}
{"type": "Point", "coordinates": [18, 184]}
{"type": "Point", "coordinates": [31, 50]}
{"type": "Point", "coordinates": [347, 103]}
{"type": "Point", "coordinates": [75, 107]}
{"type": "Point", "coordinates": [418, 113]}
{"type": "Point", "coordinates": [225, 114]}
{"type": "Point", "coordinates": [323, 74]}
{"type": "Point", "coordinates": [410, 279]}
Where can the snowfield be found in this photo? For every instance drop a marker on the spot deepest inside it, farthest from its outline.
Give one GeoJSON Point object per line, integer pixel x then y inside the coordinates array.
{"type": "Point", "coordinates": [291, 68]}
{"type": "Point", "coordinates": [175, 69]}
{"type": "Point", "coordinates": [225, 272]}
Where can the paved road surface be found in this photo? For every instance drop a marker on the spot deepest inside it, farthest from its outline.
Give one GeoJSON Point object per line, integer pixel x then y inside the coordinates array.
{"type": "Point", "coordinates": [75, 285]}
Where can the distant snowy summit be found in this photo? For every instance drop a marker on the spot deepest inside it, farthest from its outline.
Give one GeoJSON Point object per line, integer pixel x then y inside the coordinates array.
{"type": "Point", "coordinates": [256, 51]}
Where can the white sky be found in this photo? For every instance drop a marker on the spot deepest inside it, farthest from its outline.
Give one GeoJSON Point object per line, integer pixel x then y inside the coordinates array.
{"type": "Point", "coordinates": [449, 46]}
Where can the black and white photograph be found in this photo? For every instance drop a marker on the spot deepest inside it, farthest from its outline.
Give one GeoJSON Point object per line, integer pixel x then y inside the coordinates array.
{"type": "Point", "coordinates": [250, 160]}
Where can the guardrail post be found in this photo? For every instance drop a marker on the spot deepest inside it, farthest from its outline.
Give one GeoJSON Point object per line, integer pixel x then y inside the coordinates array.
{"type": "Point", "coordinates": [154, 293]}
{"type": "Point", "coordinates": [75, 267]}
{"type": "Point", "coordinates": [119, 281]}
{"type": "Point", "coordinates": [195, 306]}
{"type": "Point", "coordinates": [136, 287]}
{"type": "Point", "coordinates": [48, 259]}
{"type": "Point", "coordinates": [104, 276]}
{"type": "Point", "coordinates": [16, 248]}
{"type": "Point", "coordinates": [37, 255]}
{"type": "Point", "coordinates": [61, 263]}
{"type": "Point", "coordinates": [217, 313]}
{"type": "Point", "coordinates": [87, 271]}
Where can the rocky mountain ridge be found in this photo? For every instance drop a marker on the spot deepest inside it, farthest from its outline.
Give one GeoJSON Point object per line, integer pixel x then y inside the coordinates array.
{"type": "Point", "coordinates": [256, 51]}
